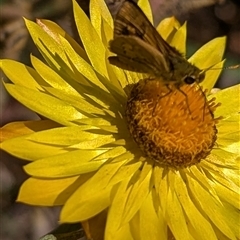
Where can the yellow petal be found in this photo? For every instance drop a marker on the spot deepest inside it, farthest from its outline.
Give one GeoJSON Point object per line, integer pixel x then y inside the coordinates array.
{"type": "Point", "coordinates": [65, 136]}
{"type": "Point", "coordinates": [98, 13]}
{"type": "Point", "coordinates": [66, 164]}
{"type": "Point", "coordinates": [161, 183]}
{"type": "Point", "coordinates": [118, 94]}
{"type": "Point", "coordinates": [146, 8]}
{"type": "Point", "coordinates": [228, 134]}
{"type": "Point", "coordinates": [81, 68]}
{"type": "Point", "coordinates": [213, 209]}
{"type": "Point", "coordinates": [209, 54]}
{"type": "Point", "coordinates": [99, 121]}
{"type": "Point", "coordinates": [23, 148]}
{"type": "Point", "coordinates": [50, 49]}
{"type": "Point", "coordinates": [93, 196]}
{"type": "Point", "coordinates": [220, 157]}
{"type": "Point", "coordinates": [107, 33]}
{"type": "Point", "coordinates": [232, 215]}
{"type": "Point", "coordinates": [123, 232]}
{"type": "Point", "coordinates": [79, 207]}
{"type": "Point", "coordinates": [52, 28]}
{"type": "Point", "coordinates": [52, 78]}
{"type": "Point", "coordinates": [45, 192]}
{"type": "Point", "coordinates": [211, 76]}
{"type": "Point", "coordinates": [139, 191]}
{"type": "Point", "coordinates": [174, 213]}
{"type": "Point", "coordinates": [124, 172]}
{"type": "Point", "coordinates": [179, 39]}
{"type": "Point", "coordinates": [230, 142]}
{"type": "Point", "coordinates": [198, 172]}
{"type": "Point", "coordinates": [228, 126]}
{"type": "Point", "coordinates": [202, 229]}
{"type": "Point", "coordinates": [146, 224]}
{"type": "Point", "coordinates": [119, 197]}
{"type": "Point", "coordinates": [17, 129]}
{"type": "Point", "coordinates": [82, 105]}
{"type": "Point", "coordinates": [22, 75]}
{"type": "Point", "coordinates": [167, 27]}
{"type": "Point", "coordinates": [225, 190]}
{"type": "Point", "coordinates": [90, 39]}
{"type": "Point", "coordinates": [120, 75]}
{"type": "Point", "coordinates": [228, 107]}
{"type": "Point", "coordinates": [45, 104]}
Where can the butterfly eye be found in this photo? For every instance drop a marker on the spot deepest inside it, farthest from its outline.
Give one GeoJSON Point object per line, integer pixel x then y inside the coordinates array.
{"type": "Point", "coordinates": [189, 79]}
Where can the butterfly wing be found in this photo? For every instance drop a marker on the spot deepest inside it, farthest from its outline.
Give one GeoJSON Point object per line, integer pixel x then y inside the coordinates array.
{"type": "Point", "coordinates": [135, 55]}
{"type": "Point", "coordinates": [139, 47]}
{"type": "Point", "coordinates": [131, 21]}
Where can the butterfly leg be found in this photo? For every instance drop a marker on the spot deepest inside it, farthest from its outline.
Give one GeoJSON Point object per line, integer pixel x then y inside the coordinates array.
{"type": "Point", "coordinates": [159, 97]}
{"type": "Point", "coordinates": [205, 102]}
{"type": "Point", "coordinates": [186, 97]}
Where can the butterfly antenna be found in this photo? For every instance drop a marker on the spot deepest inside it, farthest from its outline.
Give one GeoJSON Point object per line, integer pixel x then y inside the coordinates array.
{"type": "Point", "coordinates": [223, 68]}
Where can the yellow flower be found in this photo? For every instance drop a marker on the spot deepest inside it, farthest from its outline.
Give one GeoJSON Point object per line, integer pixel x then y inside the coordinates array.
{"type": "Point", "coordinates": [84, 156]}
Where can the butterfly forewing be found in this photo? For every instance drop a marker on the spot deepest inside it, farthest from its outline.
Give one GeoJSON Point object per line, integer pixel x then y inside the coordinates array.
{"type": "Point", "coordinates": [139, 47]}
{"type": "Point", "coordinates": [136, 55]}
{"type": "Point", "coordinates": [130, 20]}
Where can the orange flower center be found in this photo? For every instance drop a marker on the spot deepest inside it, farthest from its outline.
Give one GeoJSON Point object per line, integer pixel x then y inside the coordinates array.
{"type": "Point", "coordinates": [174, 127]}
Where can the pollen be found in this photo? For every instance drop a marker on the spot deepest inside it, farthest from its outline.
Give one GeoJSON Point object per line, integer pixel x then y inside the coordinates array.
{"type": "Point", "coordinates": [174, 127]}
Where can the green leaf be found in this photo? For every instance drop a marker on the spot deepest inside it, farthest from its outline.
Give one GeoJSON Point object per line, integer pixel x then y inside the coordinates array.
{"type": "Point", "coordinates": [66, 232]}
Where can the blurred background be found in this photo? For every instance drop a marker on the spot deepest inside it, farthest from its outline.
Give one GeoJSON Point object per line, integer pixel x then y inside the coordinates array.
{"type": "Point", "coordinates": [206, 19]}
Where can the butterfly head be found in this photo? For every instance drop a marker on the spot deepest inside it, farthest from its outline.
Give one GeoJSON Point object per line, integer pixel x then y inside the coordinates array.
{"type": "Point", "coordinates": [195, 77]}
{"type": "Point", "coordinates": [186, 73]}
